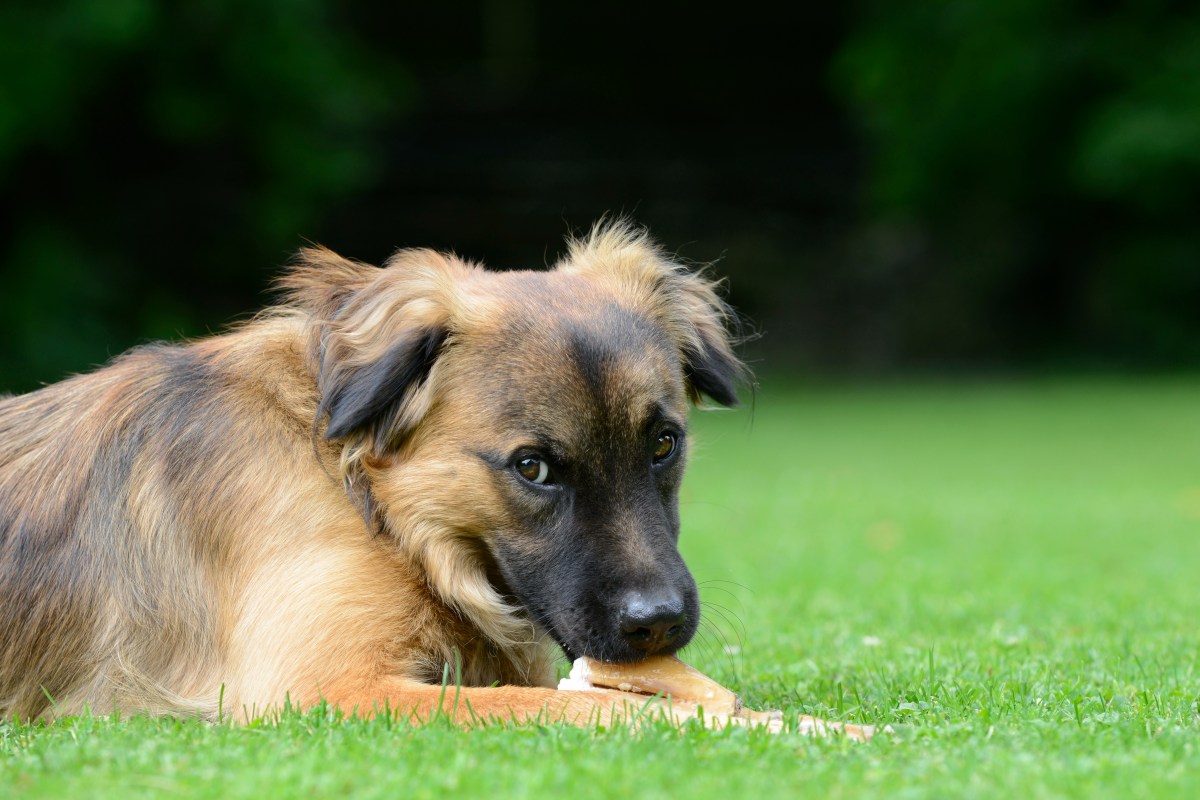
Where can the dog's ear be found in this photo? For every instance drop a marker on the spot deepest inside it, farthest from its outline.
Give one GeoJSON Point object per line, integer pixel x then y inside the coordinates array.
{"type": "Point", "coordinates": [363, 398]}
{"type": "Point", "coordinates": [320, 281]}
{"type": "Point", "coordinates": [378, 336]}
{"type": "Point", "coordinates": [686, 303]}
{"type": "Point", "coordinates": [707, 329]}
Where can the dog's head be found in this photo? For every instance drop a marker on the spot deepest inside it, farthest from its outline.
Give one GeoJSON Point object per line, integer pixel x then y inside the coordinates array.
{"type": "Point", "coordinates": [523, 435]}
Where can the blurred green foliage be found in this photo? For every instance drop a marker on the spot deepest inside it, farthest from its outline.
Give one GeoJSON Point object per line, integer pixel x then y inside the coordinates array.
{"type": "Point", "coordinates": [271, 79]}
{"type": "Point", "coordinates": [1046, 152]}
{"type": "Point", "coordinates": [131, 130]}
{"type": "Point", "coordinates": [892, 184]}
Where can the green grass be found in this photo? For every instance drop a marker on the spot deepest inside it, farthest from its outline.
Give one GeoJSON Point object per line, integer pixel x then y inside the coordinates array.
{"type": "Point", "coordinates": [1008, 573]}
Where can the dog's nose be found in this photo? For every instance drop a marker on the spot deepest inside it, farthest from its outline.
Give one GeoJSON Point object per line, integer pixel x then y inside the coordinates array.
{"type": "Point", "coordinates": [652, 623]}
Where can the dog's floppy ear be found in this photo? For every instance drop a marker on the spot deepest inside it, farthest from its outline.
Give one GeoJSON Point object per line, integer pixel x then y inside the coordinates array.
{"type": "Point", "coordinates": [359, 399]}
{"type": "Point", "coordinates": [320, 281]}
{"type": "Point", "coordinates": [705, 320]}
{"type": "Point", "coordinates": [377, 337]}
{"type": "Point", "coordinates": [702, 326]}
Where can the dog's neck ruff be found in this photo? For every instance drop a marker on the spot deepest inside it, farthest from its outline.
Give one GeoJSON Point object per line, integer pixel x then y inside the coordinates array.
{"type": "Point", "coordinates": [452, 570]}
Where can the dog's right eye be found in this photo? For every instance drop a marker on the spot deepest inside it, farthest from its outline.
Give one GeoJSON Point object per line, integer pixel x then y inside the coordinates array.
{"type": "Point", "coordinates": [534, 470]}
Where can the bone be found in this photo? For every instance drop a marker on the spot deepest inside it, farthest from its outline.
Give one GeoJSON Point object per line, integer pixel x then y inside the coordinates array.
{"type": "Point", "coordinates": [687, 689]}
{"type": "Point", "coordinates": [665, 675]}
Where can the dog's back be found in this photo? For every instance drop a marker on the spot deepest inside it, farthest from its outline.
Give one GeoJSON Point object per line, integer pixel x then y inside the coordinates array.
{"type": "Point", "coordinates": [107, 549]}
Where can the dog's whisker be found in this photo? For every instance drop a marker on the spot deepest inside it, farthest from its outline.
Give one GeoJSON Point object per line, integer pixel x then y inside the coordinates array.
{"type": "Point", "coordinates": [721, 626]}
{"type": "Point", "coordinates": [702, 644]}
{"type": "Point", "coordinates": [719, 644]}
{"type": "Point", "coordinates": [731, 652]}
{"type": "Point", "coordinates": [707, 591]}
{"type": "Point", "coordinates": [730, 619]}
{"type": "Point", "coordinates": [711, 582]}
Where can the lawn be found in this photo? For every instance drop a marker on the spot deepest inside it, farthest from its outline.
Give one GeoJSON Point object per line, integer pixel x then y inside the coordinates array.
{"type": "Point", "coordinates": [1006, 572]}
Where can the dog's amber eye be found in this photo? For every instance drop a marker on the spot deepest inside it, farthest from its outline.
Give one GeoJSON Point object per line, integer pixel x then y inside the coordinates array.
{"type": "Point", "coordinates": [664, 447]}
{"type": "Point", "coordinates": [534, 470]}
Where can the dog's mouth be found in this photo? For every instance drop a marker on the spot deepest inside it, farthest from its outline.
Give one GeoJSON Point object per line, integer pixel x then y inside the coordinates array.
{"type": "Point", "coordinates": [570, 654]}
{"type": "Point", "coordinates": [502, 587]}
{"type": "Point", "coordinates": [614, 651]}
{"type": "Point", "coordinates": [593, 628]}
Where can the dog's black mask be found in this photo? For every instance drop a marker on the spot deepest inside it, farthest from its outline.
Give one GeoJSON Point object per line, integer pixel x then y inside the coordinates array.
{"type": "Point", "coordinates": [593, 555]}
{"type": "Point", "coordinates": [605, 577]}
{"type": "Point", "coordinates": [601, 571]}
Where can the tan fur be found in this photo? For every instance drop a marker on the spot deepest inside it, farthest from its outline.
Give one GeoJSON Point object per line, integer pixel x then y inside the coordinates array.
{"type": "Point", "coordinates": [176, 526]}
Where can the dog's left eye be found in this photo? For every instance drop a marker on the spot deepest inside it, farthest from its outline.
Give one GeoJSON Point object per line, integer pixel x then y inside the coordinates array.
{"type": "Point", "coordinates": [664, 447]}
{"type": "Point", "coordinates": [534, 470]}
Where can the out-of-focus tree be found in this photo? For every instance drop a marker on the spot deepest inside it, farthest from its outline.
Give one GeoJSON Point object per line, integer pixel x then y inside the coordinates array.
{"type": "Point", "coordinates": [1042, 158]}
{"type": "Point", "coordinates": [205, 134]}
{"type": "Point", "coordinates": [1022, 188]}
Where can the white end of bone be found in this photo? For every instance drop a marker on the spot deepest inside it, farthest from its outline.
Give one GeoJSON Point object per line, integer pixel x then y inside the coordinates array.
{"type": "Point", "coordinates": [579, 678]}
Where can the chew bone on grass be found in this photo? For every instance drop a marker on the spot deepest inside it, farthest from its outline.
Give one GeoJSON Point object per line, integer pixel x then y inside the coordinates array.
{"type": "Point", "coordinates": [665, 675]}
{"type": "Point", "coordinates": [688, 689]}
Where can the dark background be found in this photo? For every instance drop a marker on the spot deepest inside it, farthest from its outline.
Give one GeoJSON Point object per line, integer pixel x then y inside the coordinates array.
{"type": "Point", "coordinates": [890, 187]}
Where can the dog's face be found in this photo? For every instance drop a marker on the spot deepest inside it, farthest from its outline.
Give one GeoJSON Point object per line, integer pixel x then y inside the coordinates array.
{"type": "Point", "coordinates": [578, 420]}
{"type": "Point", "coordinates": [525, 439]}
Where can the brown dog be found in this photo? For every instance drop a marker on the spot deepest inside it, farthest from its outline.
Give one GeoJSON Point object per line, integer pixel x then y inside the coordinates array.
{"type": "Point", "coordinates": [395, 470]}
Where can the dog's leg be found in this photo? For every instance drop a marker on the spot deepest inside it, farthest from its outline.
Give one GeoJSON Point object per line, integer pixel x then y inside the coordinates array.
{"type": "Point", "coordinates": [472, 706]}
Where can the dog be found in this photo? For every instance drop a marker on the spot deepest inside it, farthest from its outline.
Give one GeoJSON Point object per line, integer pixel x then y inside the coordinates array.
{"type": "Point", "coordinates": [395, 470]}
